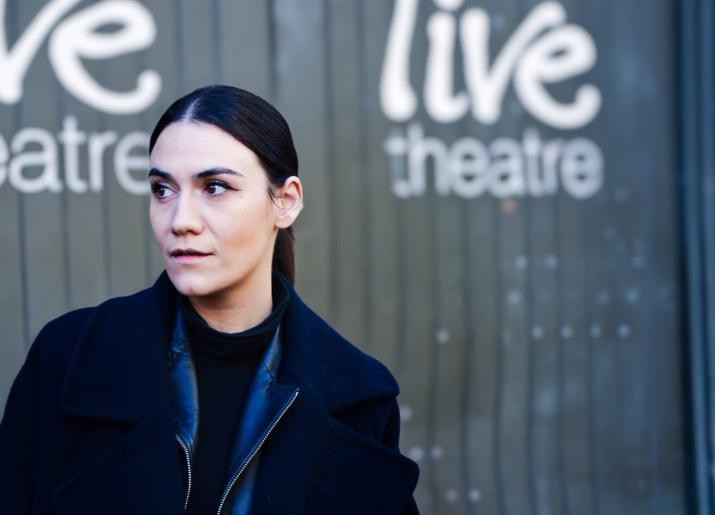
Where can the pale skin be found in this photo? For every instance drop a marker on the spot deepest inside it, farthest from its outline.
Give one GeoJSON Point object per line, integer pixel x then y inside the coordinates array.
{"type": "Point", "coordinates": [228, 215]}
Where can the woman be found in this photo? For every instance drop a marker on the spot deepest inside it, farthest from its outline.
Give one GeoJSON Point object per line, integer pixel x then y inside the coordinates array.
{"type": "Point", "coordinates": [216, 390]}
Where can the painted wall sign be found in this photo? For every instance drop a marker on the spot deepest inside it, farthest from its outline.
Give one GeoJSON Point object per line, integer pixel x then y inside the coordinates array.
{"type": "Point", "coordinates": [71, 39]}
{"type": "Point", "coordinates": [77, 37]}
{"type": "Point", "coordinates": [543, 49]}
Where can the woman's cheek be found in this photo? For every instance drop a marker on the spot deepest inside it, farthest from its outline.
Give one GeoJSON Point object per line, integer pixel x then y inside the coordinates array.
{"type": "Point", "coordinates": [158, 230]}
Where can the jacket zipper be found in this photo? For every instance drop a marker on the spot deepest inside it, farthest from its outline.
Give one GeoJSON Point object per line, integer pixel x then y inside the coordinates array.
{"type": "Point", "coordinates": [188, 470]}
{"type": "Point", "coordinates": [255, 451]}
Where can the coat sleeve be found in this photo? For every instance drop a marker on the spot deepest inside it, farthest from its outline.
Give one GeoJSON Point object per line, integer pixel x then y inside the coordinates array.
{"type": "Point", "coordinates": [391, 438]}
{"type": "Point", "coordinates": [20, 438]}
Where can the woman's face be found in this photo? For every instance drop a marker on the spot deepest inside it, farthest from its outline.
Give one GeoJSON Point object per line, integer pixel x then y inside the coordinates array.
{"type": "Point", "coordinates": [210, 195]}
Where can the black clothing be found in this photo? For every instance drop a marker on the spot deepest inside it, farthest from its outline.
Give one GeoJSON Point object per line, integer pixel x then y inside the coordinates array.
{"type": "Point", "coordinates": [224, 364]}
{"type": "Point", "coordinates": [89, 424]}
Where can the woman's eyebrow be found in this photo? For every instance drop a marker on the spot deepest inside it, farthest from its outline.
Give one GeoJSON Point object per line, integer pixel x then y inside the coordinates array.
{"type": "Point", "coordinates": [200, 175]}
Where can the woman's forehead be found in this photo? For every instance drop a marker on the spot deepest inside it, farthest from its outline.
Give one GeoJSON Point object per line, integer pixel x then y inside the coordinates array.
{"type": "Point", "coordinates": [185, 148]}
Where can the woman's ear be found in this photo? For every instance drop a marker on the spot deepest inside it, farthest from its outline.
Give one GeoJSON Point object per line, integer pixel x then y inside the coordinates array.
{"type": "Point", "coordinates": [288, 202]}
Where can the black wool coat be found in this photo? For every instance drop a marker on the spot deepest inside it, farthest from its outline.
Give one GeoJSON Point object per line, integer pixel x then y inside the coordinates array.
{"type": "Point", "coordinates": [88, 426]}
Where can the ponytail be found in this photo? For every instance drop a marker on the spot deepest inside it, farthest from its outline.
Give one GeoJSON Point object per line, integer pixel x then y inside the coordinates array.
{"type": "Point", "coordinates": [283, 259]}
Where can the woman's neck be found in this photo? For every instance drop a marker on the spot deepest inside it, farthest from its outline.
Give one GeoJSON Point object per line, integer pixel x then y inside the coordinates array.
{"type": "Point", "coordinates": [244, 306]}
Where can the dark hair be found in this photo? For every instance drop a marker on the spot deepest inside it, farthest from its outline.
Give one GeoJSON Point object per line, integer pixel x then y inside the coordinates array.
{"type": "Point", "coordinates": [260, 127]}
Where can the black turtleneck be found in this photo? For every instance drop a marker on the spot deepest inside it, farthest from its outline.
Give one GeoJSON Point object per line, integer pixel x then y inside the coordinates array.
{"type": "Point", "coordinates": [225, 364]}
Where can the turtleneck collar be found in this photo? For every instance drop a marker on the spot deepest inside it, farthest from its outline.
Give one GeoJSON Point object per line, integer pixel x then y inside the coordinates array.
{"type": "Point", "coordinates": [217, 344]}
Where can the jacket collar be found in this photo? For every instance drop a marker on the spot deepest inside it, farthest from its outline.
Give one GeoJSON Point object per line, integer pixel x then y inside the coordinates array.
{"type": "Point", "coordinates": [266, 401]}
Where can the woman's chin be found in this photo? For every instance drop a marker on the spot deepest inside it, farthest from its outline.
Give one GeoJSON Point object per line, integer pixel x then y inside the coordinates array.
{"type": "Point", "coordinates": [190, 282]}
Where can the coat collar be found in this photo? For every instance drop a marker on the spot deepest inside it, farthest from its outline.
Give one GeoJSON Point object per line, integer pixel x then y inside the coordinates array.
{"type": "Point", "coordinates": [115, 370]}
{"type": "Point", "coordinates": [116, 374]}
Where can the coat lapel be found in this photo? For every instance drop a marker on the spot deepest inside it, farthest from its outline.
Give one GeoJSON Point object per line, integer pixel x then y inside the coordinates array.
{"type": "Point", "coordinates": [116, 387]}
{"type": "Point", "coordinates": [314, 463]}
{"type": "Point", "coordinates": [138, 473]}
{"type": "Point", "coordinates": [309, 463]}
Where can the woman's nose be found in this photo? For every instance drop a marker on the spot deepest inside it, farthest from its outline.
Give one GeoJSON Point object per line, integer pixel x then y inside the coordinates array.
{"type": "Point", "coordinates": [187, 216]}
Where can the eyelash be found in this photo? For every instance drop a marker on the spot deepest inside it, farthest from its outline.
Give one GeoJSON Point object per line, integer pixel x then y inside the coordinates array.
{"type": "Point", "coordinates": [157, 186]}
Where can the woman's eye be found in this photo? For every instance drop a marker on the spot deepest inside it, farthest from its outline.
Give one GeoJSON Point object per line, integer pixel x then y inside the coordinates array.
{"type": "Point", "coordinates": [212, 187]}
{"type": "Point", "coordinates": [156, 190]}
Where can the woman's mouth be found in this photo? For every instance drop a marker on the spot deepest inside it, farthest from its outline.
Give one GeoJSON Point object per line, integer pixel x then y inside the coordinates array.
{"type": "Point", "coordinates": [188, 255]}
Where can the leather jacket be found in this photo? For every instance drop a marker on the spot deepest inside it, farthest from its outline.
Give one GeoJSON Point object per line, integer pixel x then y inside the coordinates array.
{"type": "Point", "coordinates": [258, 420]}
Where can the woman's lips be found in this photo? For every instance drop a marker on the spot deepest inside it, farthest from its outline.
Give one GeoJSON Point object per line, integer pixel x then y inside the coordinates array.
{"type": "Point", "coordinates": [189, 258]}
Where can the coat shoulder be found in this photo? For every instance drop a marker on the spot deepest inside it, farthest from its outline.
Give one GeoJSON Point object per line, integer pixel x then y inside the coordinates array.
{"type": "Point", "coordinates": [357, 365]}
{"type": "Point", "coordinates": [57, 341]}
{"type": "Point", "coordinates": [61, 334]}
{"type": "Point", "coordinates": [342, 373]}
